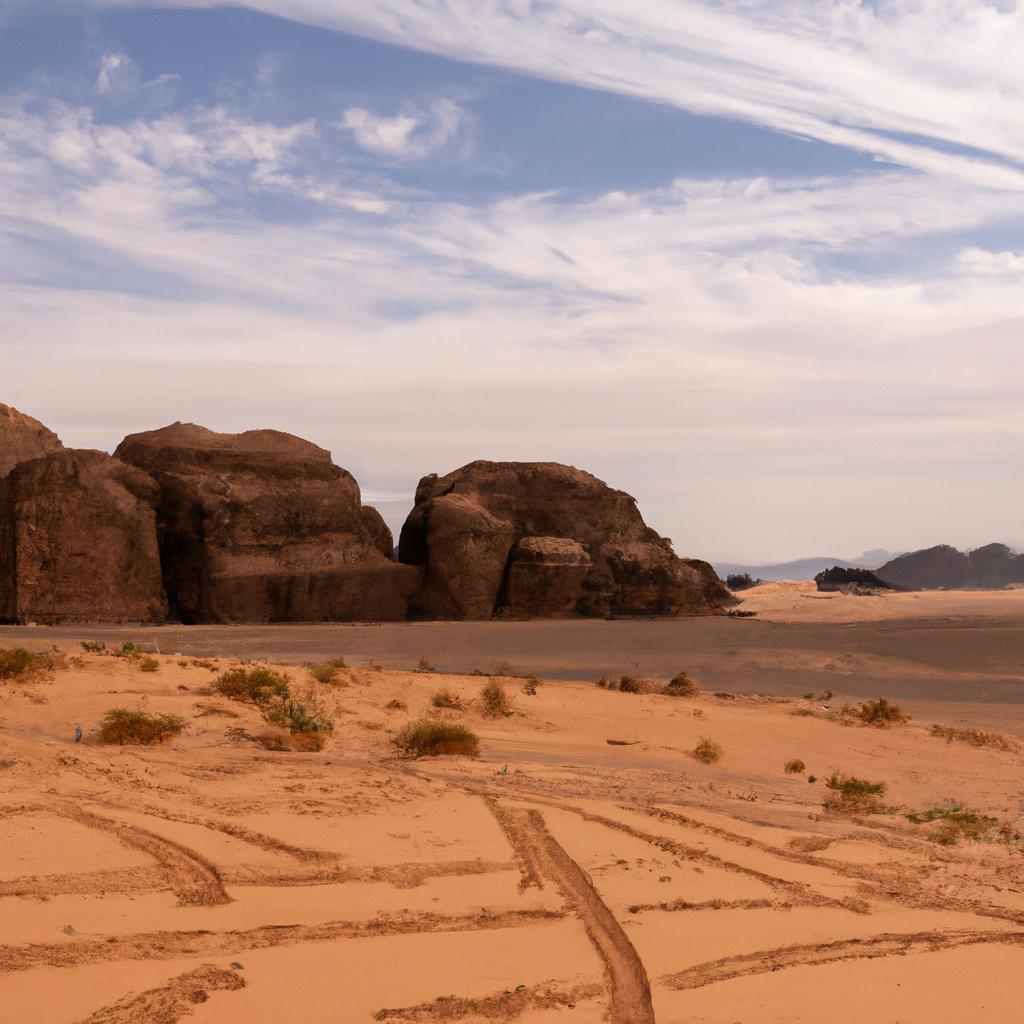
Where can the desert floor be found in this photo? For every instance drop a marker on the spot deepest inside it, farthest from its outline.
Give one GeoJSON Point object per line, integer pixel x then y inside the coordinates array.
{"type": "Point", "coordinates": [559, 877]}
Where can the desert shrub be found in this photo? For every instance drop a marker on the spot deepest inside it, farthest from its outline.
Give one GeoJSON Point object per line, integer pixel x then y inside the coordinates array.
{"type": "Point", "coordinates": [325, 671]}
{"type": "Point", "coordinates": [445, 698]}
{"type": "Point", "coordinates": [532, 684]}
{"type": "Point", "coordinates": [424, 665]}
{"type": "Point", "coordinates": [802, 712]}
{"type": "Point", "coordinates": [94, 646]}
{"type": "Point", "coordinates": [881, 713]}
{"type": "Point", "coordinates": [707, 751]}
{"type": "Point", "coordinates": [300, 714]}
{"type": "Point", "coordinates": [396, 705]}
{"type": "Point", "coordinates": [682, 686]}
{"type": "Point", "coordinates": [149, 665]}
{"type": "Point", "coordinates": [794, 767]}
{"type": "Point", "coordinates": [812, 778]}
{"type": "Point", "coordinates": [253, 685]}
{"type": "Point", "coordinates": [16, 662]}
{"type": "Point", "coordinates": [975, 738]}
{"type": "Point", "coordinates": [431, 739]}
{"type": "Point", "coordinates": [204, 663]}
{"type": "Point", "coordinates": [127, 650]}
{"type": "Point", "coordinates": [851, 794]}
{"type": "Point", "coordinates": [495, 702]}
{"type": "Point", "coordinates": [955, 824]}
{"type": "Point", "coordinates": [125, 727]}
{"type": "Point", "coordinates": [628, 684]}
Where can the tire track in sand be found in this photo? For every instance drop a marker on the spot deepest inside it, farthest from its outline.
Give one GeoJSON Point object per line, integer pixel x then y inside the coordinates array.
{"type": "Point", "coordinates": [194, 880]}
{"type": "Point", "coordinates": [169, 1003]}
{"type": "Point", "coordinates": [630, 987]}
{"type": "Point", "coordinates": [815, 954]}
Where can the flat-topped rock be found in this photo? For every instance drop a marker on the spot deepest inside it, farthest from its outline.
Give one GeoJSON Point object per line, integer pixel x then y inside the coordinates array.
{"type": "Point", "coordinates": [78, 541]}
{"type": "Point", "coordinates": [23, 438]}
{"type": "Point", "coordinates": [542, 539]}
{"type": "Point", "coordinates": [263, 527]}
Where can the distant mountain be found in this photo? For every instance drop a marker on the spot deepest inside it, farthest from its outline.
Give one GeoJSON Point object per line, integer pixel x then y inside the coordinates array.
{"type": "Point", "coordinates": [802, 568]}
{"type": "Point", "coordinates": [943, 567]}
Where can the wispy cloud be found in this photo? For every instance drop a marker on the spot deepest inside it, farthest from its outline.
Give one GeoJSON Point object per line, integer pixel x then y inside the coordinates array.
{"type": "Point", "coordinates": [934, 86]}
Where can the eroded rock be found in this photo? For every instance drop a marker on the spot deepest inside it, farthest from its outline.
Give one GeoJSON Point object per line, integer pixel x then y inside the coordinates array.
{"type": "Point", "coordinates": [542, 539]}
{"type": "Point", "coordinates": [23, 438]}
{"type": "Point", "coordinates": [263, 527]}
{"type": "Point", "coordinates": [78, 541]}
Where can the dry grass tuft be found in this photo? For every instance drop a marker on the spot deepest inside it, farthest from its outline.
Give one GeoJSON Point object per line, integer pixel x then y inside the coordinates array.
{"type": "Point", "coordinates": [19, 663]}
{"type": "Point", "coordinates": [495, 702]}
{"type": "Point", "coordinates": [149, 665]}
{"type": "Point", "coordinates": [138, 728]}
{"type": "Point", "coordinates": [794, 767]}
{"type": "Point", "coordinates": [708, 751]}
{"type": "Point", "coordinates": [430, 739]}
{"type": "Point", "coordinates": [975, 738]}
{"type": "Point", "coordinates": [327, 671]}
{"type": "Point", "coordinates": [881, 713]}
{"type": "Point", "coordinates": [446, 698]}
{"type": "Point", "coordinates": [682, 686]}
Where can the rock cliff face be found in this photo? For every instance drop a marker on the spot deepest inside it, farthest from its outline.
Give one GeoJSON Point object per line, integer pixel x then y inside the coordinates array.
{"type": "Point", "coordinates": [944, 568]}
{"type": "Point", "coordinates": [541, 539]}
{"type": "Point", "coordinates": [263, 527]}
{"type": "Point", "coordinates": [78, 542]}
{"type": "Point", "coordinates": [23, 438]}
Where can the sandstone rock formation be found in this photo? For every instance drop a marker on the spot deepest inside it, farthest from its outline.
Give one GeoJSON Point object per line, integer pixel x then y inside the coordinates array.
{"type": "Point", "coordinates": [263, 527]}
{"type": "Point", "coordinates": [541, 539]}
{"type": "Point", "coordinates": [851, 581]}
{"type": "Point", "coordinates": [23, 438]}
{"type": "Point", "coordinates": [78, 542]}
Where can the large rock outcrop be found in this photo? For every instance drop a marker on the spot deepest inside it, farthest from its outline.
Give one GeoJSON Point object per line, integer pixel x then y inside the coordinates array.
{"type": "Point", "coordinates": [945, 568]}
{"type": "Point", "coordinates": [78, 542]}
{"type": "Point", "coordinates": [263, 527]}
{"type": "Point", "coordinates": [23, 438]}
{"type": "Point", "coordinates": [540, 539]}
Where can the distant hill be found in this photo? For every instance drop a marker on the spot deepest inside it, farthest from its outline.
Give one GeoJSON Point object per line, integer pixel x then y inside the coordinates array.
{"type": "Point", "coordinates": [943, 567]}
{"type": "Point", "coordinates": [802, 568]}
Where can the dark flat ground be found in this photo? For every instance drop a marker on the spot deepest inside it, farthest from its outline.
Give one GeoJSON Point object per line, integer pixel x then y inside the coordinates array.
{"type": "Point", "coordinates": [934, 661]}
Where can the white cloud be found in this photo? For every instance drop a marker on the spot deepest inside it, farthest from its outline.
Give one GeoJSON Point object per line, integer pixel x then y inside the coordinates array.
{"type": "Point", "coordinates": [413, 135]}
{"type": "Point", "coordinates": [853, 73]}
{"type": "Point", "coordinates": [118, 75]}
{"type": "Point", "coordinates": [692, 333]}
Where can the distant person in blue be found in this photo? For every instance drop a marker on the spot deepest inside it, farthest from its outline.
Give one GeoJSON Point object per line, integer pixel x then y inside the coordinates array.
{"type": "Point", "coordinates": [78, 734]}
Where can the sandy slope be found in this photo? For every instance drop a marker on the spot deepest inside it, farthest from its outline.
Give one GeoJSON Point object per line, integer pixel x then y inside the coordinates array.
{"type": "Point", "coordinates": [556, 878]}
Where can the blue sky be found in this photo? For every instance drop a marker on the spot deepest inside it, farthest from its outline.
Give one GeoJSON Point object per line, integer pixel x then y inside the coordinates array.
{"type": "Point", "coordinates": [758, 263]}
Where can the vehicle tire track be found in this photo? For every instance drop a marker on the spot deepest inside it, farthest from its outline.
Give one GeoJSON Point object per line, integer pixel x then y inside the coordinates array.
{"type": "Point", "coordinates": [816, 954]}
{"type": "Point", "coordinates": [522, 847]}
{"type": "Point", "coordinates": [193, 879]}
{"type": "Point", "coordinates": [167, 945]}
{"type": "Point", "coordinates": [630, 988]}
{"type": "Point", "coordinates": [169, 1003]}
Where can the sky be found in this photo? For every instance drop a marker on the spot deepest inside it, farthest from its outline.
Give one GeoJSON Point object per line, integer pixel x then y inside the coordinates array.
{"type": "Point", "coordinates": [757, 262]}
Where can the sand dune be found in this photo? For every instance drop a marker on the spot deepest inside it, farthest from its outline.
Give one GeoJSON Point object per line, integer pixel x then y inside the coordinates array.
{"type": "Point", "coordinates": [555, 877]}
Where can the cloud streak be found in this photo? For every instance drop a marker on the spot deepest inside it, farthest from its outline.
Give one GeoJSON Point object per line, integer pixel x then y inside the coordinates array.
{"type": "Point", "coordinates": [933, 86]}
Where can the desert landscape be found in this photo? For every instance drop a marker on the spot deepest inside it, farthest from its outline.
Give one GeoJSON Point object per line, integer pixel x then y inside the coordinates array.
{"type": "Point", "coordinates": [644, 849]}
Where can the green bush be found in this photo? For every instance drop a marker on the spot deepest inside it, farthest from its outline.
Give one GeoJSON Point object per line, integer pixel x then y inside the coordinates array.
{"type": "Point", "coordinates": [707, 751]}
{"type": "Point", "coordinates": [128, 650]}
{"type": "Point", "coordinates": [94, 646]}
{"type": "Point", "coordinates": [300, 714]}
{"type": "Point", "coordinates": [431, 739]}
{"type": "Point", "coordinates": [149, 665]}
{"type": "Point", "coordinates": [125, 727]}
{"type": "Point", "coordinates": [851, 794]}
{"type": "Point", "coordinates": [253, 685]}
